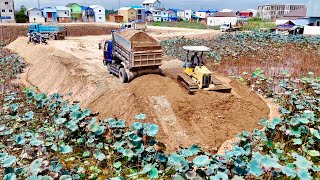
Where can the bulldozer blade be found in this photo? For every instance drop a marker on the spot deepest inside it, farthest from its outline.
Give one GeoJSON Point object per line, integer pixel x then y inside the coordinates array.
{"type": "Point", "coordinates": [219, 88]}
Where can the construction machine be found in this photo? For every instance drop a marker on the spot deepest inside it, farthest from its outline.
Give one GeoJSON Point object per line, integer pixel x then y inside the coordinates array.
{"type": "Point", "coordinates": [196, 76]}
{"type": "Point", "coordinates": [132, 53]}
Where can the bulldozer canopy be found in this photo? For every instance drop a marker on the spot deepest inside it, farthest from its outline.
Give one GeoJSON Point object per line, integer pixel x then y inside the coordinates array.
{"type": "Point", "coordinates": [197, 48]}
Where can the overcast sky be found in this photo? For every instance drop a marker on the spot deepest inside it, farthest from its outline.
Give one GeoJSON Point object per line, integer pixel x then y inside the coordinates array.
{"type": "Point", "coordinates": [181, 4]}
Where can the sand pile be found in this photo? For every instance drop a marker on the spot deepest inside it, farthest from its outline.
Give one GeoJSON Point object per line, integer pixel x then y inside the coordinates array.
{"type": "Point", "coordinates": [207, 118]}
{"type": "Point", "coordinates": [53, 71]}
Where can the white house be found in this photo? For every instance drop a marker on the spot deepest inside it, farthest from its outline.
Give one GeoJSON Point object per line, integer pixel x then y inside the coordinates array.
{"type": "Point", "coordinates": [63, 14]}
{"type": "Point", "coordinates": [220, 18]}
{"type": "Point", "coordinates": [99, 13]}
{"type": "Point", "coordinates": [156, 14]}
{"type": "Point", "coordinates": [202, 14]}
{"type": "Point", "coordinates": [35, 15]}
{"type": "Point", "coordinates": [164, 15]}
{"type": "Point", "coordinates": [181, 14]}
{"type": "Point", "coordinates": [150, 5]}
{"type": "Point", "coordinates": [187, 14]}
{"type": "Point", "coordinates": [7, 11]}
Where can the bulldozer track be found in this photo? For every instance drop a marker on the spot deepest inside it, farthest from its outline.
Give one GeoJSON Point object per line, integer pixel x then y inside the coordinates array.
{"type": "Point", "coordinates": [187, 82]}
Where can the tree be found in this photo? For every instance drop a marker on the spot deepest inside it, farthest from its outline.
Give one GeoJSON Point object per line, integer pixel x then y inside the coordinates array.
{"type": "Point", "coordinates": [21, 15]}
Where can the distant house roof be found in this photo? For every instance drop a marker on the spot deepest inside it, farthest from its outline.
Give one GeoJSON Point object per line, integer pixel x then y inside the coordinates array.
{"type": "Point", "coordinates": [71, 4]}
{"type": "Point", "coordinates": [62, 8]}
{"type": "Point", "coordinates": [149, 1]}
{"type": "Point", "coordinates": [213, 10]}
{"type": "Point", "coordinates": [95, 6]}
{"type": "Point", "coordinates": [300, 22]}
{"type": "Point", "coordinates": [223, 14]}
{"type": "Point", "coordinates": [33, 9]}
{"type": "Point", "coordinates": [136, 7]}
{"type": "Point", "coordinates": [49, 9]}
{"type": "Point", "coordinates": [86, 8]}
{"type": "Point", "coordinates": [203, 11]}
{"type": "Point", "coordinates": [125, 8]}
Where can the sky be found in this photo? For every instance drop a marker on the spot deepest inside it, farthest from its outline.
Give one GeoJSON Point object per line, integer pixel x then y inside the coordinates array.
{"type": "Point", "coordinates": [180, 4]}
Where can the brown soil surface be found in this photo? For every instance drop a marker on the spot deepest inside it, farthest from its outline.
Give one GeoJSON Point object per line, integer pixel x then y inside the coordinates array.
{"type": "Point", "coordinates": [206, 118]}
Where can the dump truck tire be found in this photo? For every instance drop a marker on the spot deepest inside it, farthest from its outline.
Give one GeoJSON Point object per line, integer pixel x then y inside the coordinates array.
{"type": "Point", "coordinates": [52, 37]}
{"type": "Point", "coordinates": [123, 75]}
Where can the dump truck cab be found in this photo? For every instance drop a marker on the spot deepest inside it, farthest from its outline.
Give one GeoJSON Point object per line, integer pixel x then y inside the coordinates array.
{"type": "Point", "coordinates": [33, 28]}
{"type": "Point", "coordinates": [107, 51]}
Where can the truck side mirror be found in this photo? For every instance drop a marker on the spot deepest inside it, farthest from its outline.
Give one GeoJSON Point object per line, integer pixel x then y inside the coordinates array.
{"type": "Point", "coordinates": [100, 46]}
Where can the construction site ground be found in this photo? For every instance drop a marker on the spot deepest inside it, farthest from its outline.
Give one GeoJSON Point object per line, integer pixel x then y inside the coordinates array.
{"type": "Point", "coordinates": [206, 118]}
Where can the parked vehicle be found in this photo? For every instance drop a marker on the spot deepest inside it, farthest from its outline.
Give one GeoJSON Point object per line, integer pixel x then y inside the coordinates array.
{"type": "Point", "coordinates": [132, 53]}
{"type": "Point", "coordinates": [37, 38]}
{"type": "Point", "coordinates": [229, 28]}
{"type": "Point", "coordinates": [137, 25]}
{"type": "Point", "coordinates": [48, 32]}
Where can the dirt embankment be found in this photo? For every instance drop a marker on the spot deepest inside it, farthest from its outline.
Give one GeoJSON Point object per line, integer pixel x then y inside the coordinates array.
{"type": "Point", "coordinates": [206, 118]}
{"type": "Point", "coordinates": [9, 33]}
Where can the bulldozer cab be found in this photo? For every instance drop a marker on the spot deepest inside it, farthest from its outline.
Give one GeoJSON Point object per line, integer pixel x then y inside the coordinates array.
{"type": "Point", "coordinates": [194, 57]}
{"type": "Point", "coordinates": [194, 65]}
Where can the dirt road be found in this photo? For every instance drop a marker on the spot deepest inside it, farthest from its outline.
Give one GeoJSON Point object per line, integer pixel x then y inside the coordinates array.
{"type": "Point", "coordinates": [207, 118]}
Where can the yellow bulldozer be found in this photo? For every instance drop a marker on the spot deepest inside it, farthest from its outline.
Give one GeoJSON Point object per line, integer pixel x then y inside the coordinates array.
{"type": "Point", "coordinates": [196, 76]}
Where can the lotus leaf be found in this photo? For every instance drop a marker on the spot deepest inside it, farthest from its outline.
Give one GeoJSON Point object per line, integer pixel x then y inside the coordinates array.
{"type": "Point", "coordinates": [65, 149]}
{"type": "Point", "coordinates": [255, 168]}
{"type": "Point", "coordinates": [99, 155]}
{"type": "Point", "coordinates": [141, 116]}
{"type": "Point", "coordinates": [201, 161]}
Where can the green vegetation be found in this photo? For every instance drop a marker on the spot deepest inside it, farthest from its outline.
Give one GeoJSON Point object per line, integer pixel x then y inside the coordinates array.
{"type": "Point", "coordinates": [183, 24]}
{"type": "Point", "coordinates": [257, 24]}
{"type": "Point", "coordinates": [45, 137]}
{"type": "Point", "coordinates": [20, 15]}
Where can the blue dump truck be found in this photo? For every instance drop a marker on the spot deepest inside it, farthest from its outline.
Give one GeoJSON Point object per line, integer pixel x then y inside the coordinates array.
{"type": "Point", "coordinates": [48, 31]}
{"type": "Point", "coordinates": [132, 53]}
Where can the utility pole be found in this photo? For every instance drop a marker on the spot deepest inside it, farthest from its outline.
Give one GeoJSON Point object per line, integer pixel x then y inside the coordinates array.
{"type": "Point", "coordinates": [38, 4]}
{"type": "Point", "coordinates": [119, 3]}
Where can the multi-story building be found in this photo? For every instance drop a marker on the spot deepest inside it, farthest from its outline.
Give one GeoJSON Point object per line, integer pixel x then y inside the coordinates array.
{"type": "Point", "coordinates": [150, 5]}
{"type": "Point", "coordinates": [273, 11]}
{"type": "Point", "coordinates": [313, 12]}
{"type": "Point", "coordinates": [7, 11]}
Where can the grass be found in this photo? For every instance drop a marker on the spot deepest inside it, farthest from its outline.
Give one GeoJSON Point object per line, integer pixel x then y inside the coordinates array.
{"type": "Point", "coordinates": [183, 24]}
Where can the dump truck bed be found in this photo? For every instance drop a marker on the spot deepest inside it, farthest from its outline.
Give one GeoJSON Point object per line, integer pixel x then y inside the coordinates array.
{"type": "Point", "coordinates": [137, 49]}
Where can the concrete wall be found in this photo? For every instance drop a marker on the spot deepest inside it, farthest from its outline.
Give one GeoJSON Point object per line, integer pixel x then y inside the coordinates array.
{"type": "Point", "coordinates": [64, 13]}
{"type": "Point", "coordinates": [36, 19]}
{"type": "Point", "coordinates": [311, 30]}
{"type": "Point", "coordinates": [218, 21]}
{"type": "Point", "coordinates": [7, 11]}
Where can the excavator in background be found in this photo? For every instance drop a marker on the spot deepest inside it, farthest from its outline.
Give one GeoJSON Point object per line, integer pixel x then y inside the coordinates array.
{"type": "Point", "coordinates": [196, 76]}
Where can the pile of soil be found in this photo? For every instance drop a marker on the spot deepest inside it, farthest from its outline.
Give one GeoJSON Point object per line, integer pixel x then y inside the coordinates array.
{"type": "Point", "coordinates": [206, 118]}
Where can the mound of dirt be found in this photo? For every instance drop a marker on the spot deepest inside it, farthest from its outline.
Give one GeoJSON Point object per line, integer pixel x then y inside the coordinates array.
{"type": "Point", "coordinates": [53, 71]}
{"type": "Point", "coordinates": [206, 118]}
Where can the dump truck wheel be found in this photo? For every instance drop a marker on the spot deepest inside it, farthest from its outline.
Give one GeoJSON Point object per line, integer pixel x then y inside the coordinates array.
{"type": "Point", "coordinates": [52, 37]}
{"type": "Point", "coordinates": [123, 75]}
